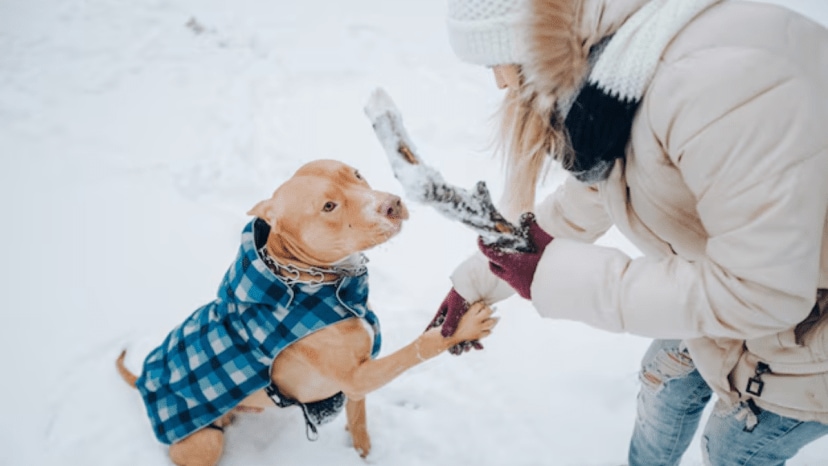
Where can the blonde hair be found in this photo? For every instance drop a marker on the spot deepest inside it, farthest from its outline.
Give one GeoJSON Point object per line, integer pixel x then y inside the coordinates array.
{"type": "Point", "coordinates": [531, 130]}
{"type": "Point", "coordinates": [531, 133]}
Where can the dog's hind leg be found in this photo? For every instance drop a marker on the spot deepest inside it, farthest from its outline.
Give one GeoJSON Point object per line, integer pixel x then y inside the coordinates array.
{"type": "Point", "coordinates": [203, 448]}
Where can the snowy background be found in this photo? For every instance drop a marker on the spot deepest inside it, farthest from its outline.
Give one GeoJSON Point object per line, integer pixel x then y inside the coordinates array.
{"type": "Point", "coordinates": [135, 135]}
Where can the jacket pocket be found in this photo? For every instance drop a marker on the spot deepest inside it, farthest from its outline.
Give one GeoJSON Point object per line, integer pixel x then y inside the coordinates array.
{"type": "Point", "coordinates": [799, 391]}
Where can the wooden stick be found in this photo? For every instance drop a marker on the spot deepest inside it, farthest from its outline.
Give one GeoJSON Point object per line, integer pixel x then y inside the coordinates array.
{"type": "Point", "coordinates": [424, 184]}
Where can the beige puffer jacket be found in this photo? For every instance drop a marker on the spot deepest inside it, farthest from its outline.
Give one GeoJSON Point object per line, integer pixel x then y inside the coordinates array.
{"type": "Point", "coordinates": [725, 191]}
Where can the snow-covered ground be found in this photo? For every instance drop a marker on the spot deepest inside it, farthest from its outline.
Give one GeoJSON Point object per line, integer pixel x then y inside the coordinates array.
{"type": "Point", "coordinates": [135, 135]}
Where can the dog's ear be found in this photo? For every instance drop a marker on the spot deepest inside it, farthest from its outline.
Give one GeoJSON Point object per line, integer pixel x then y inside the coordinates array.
{"type": "Point", "coordinates": [264, 210]}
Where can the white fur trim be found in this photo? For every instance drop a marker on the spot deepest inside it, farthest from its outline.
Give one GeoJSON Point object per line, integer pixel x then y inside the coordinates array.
{"type": "Point", "coordinates": [473, 280]}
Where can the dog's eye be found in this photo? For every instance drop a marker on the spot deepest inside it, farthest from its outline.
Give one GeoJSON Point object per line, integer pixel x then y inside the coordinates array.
{"type": "Point", "coordinates": [329, 206]}
{"type": "Point", "coordinates": [358, 175]}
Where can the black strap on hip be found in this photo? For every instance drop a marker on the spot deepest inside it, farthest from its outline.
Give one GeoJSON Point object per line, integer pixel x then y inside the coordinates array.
{"type": "Point", "coordinates": [315, 413]}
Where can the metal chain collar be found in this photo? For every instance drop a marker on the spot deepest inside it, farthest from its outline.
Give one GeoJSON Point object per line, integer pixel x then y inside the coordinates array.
{"type": "Point", "coordinates": [317, 274]}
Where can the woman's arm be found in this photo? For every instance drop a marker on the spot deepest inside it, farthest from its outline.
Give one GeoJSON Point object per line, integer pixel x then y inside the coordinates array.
{"type": "Point", "coordinates": [750, 144]}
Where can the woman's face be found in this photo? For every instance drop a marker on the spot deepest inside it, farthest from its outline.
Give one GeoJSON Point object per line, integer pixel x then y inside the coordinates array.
{"type": "Point", "coordinates": [507, 76]}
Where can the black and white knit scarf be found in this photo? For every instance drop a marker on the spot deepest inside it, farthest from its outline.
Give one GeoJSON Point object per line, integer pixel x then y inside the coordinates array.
{"type": "Point", "coordinates": [599, 119]}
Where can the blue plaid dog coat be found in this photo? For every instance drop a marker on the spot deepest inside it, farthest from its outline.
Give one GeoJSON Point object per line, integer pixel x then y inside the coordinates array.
{"type": "Point", "coordinates": [224, 351]}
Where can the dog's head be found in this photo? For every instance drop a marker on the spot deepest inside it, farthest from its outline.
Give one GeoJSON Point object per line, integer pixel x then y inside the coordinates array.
{"type": "Point", "coordinates": [326, 212]}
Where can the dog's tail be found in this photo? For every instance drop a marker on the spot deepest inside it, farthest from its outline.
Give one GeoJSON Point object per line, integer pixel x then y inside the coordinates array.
{"type": "Point", "coordinates": [128, 376]}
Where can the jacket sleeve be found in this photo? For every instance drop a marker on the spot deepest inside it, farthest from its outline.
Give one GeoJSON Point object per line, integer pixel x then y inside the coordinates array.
{"type": "Point", "coordinates": [473, 280]}
{"type": "Point", "coordinates": [747, 134]}
{"type": "Point", "coordinates": [574, 210]}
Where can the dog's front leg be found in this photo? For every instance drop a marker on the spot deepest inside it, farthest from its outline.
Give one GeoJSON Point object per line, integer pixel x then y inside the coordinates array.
{"type": "Point", "coordinates": [366, 375]}
{"type": "Point", "coordinates": [357, 425]}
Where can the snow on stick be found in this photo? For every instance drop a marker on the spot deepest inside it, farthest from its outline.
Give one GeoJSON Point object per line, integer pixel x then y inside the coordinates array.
{"type": "Point", "coordinates": [424, 184]}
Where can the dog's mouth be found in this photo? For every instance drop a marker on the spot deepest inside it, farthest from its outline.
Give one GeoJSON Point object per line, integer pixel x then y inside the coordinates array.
{"type": "Point", "coordinates": [396, 227]}
{"type": "Point", "coordinates": [392, 226]}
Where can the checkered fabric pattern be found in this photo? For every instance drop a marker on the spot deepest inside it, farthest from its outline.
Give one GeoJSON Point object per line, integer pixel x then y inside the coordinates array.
{"type": "Point", "coordinates": [223, 351]}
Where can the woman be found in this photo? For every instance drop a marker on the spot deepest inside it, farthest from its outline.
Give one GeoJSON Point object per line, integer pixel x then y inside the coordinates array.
{"type": "Point", "coordinates": [698, 129]}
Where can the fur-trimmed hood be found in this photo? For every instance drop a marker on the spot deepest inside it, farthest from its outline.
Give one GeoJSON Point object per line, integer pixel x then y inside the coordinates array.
{"type": "Point", "coordinates": [560, 35]}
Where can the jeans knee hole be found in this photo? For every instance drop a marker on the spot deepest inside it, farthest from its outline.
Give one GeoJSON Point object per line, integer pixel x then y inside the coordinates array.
{"type": "Point", "coordinates": [740, 412]}
{"type": "Point", "coordinates": [668, 364]}
{"type": "Point", "coordinates": [725, 408]}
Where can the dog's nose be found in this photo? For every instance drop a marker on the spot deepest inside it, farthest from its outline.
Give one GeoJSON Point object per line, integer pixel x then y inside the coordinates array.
{"type": "Point", "coordinates": [392, 207]}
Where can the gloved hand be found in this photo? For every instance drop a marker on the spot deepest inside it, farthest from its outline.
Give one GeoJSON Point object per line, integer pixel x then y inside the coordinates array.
{"type": "Point", "coordinates": [518, 268]}
{"type": "Point", "coordinates": [448, 315]}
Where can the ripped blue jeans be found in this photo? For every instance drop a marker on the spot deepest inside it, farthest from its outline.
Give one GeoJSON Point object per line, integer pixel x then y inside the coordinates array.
{"type": "Point", "coordinates": [670, 404]}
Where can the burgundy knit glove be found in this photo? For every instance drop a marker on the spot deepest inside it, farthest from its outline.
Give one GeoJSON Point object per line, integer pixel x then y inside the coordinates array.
{"type": "Point", "coordinates": [448, 315]}
{"type": "Point", "coordinates": [518, 268]}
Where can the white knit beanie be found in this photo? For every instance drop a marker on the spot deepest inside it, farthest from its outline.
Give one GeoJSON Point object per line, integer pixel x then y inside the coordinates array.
{"type": "Point", "coordinates": [487, 32]}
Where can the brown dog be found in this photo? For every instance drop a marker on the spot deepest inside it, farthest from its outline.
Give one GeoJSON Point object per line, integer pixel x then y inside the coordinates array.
{"type": "Point", "coordinates": [322, 218]}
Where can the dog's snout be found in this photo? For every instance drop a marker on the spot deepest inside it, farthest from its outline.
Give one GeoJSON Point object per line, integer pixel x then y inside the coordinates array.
{"type": "Point", "coordinates": [392, 207]}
